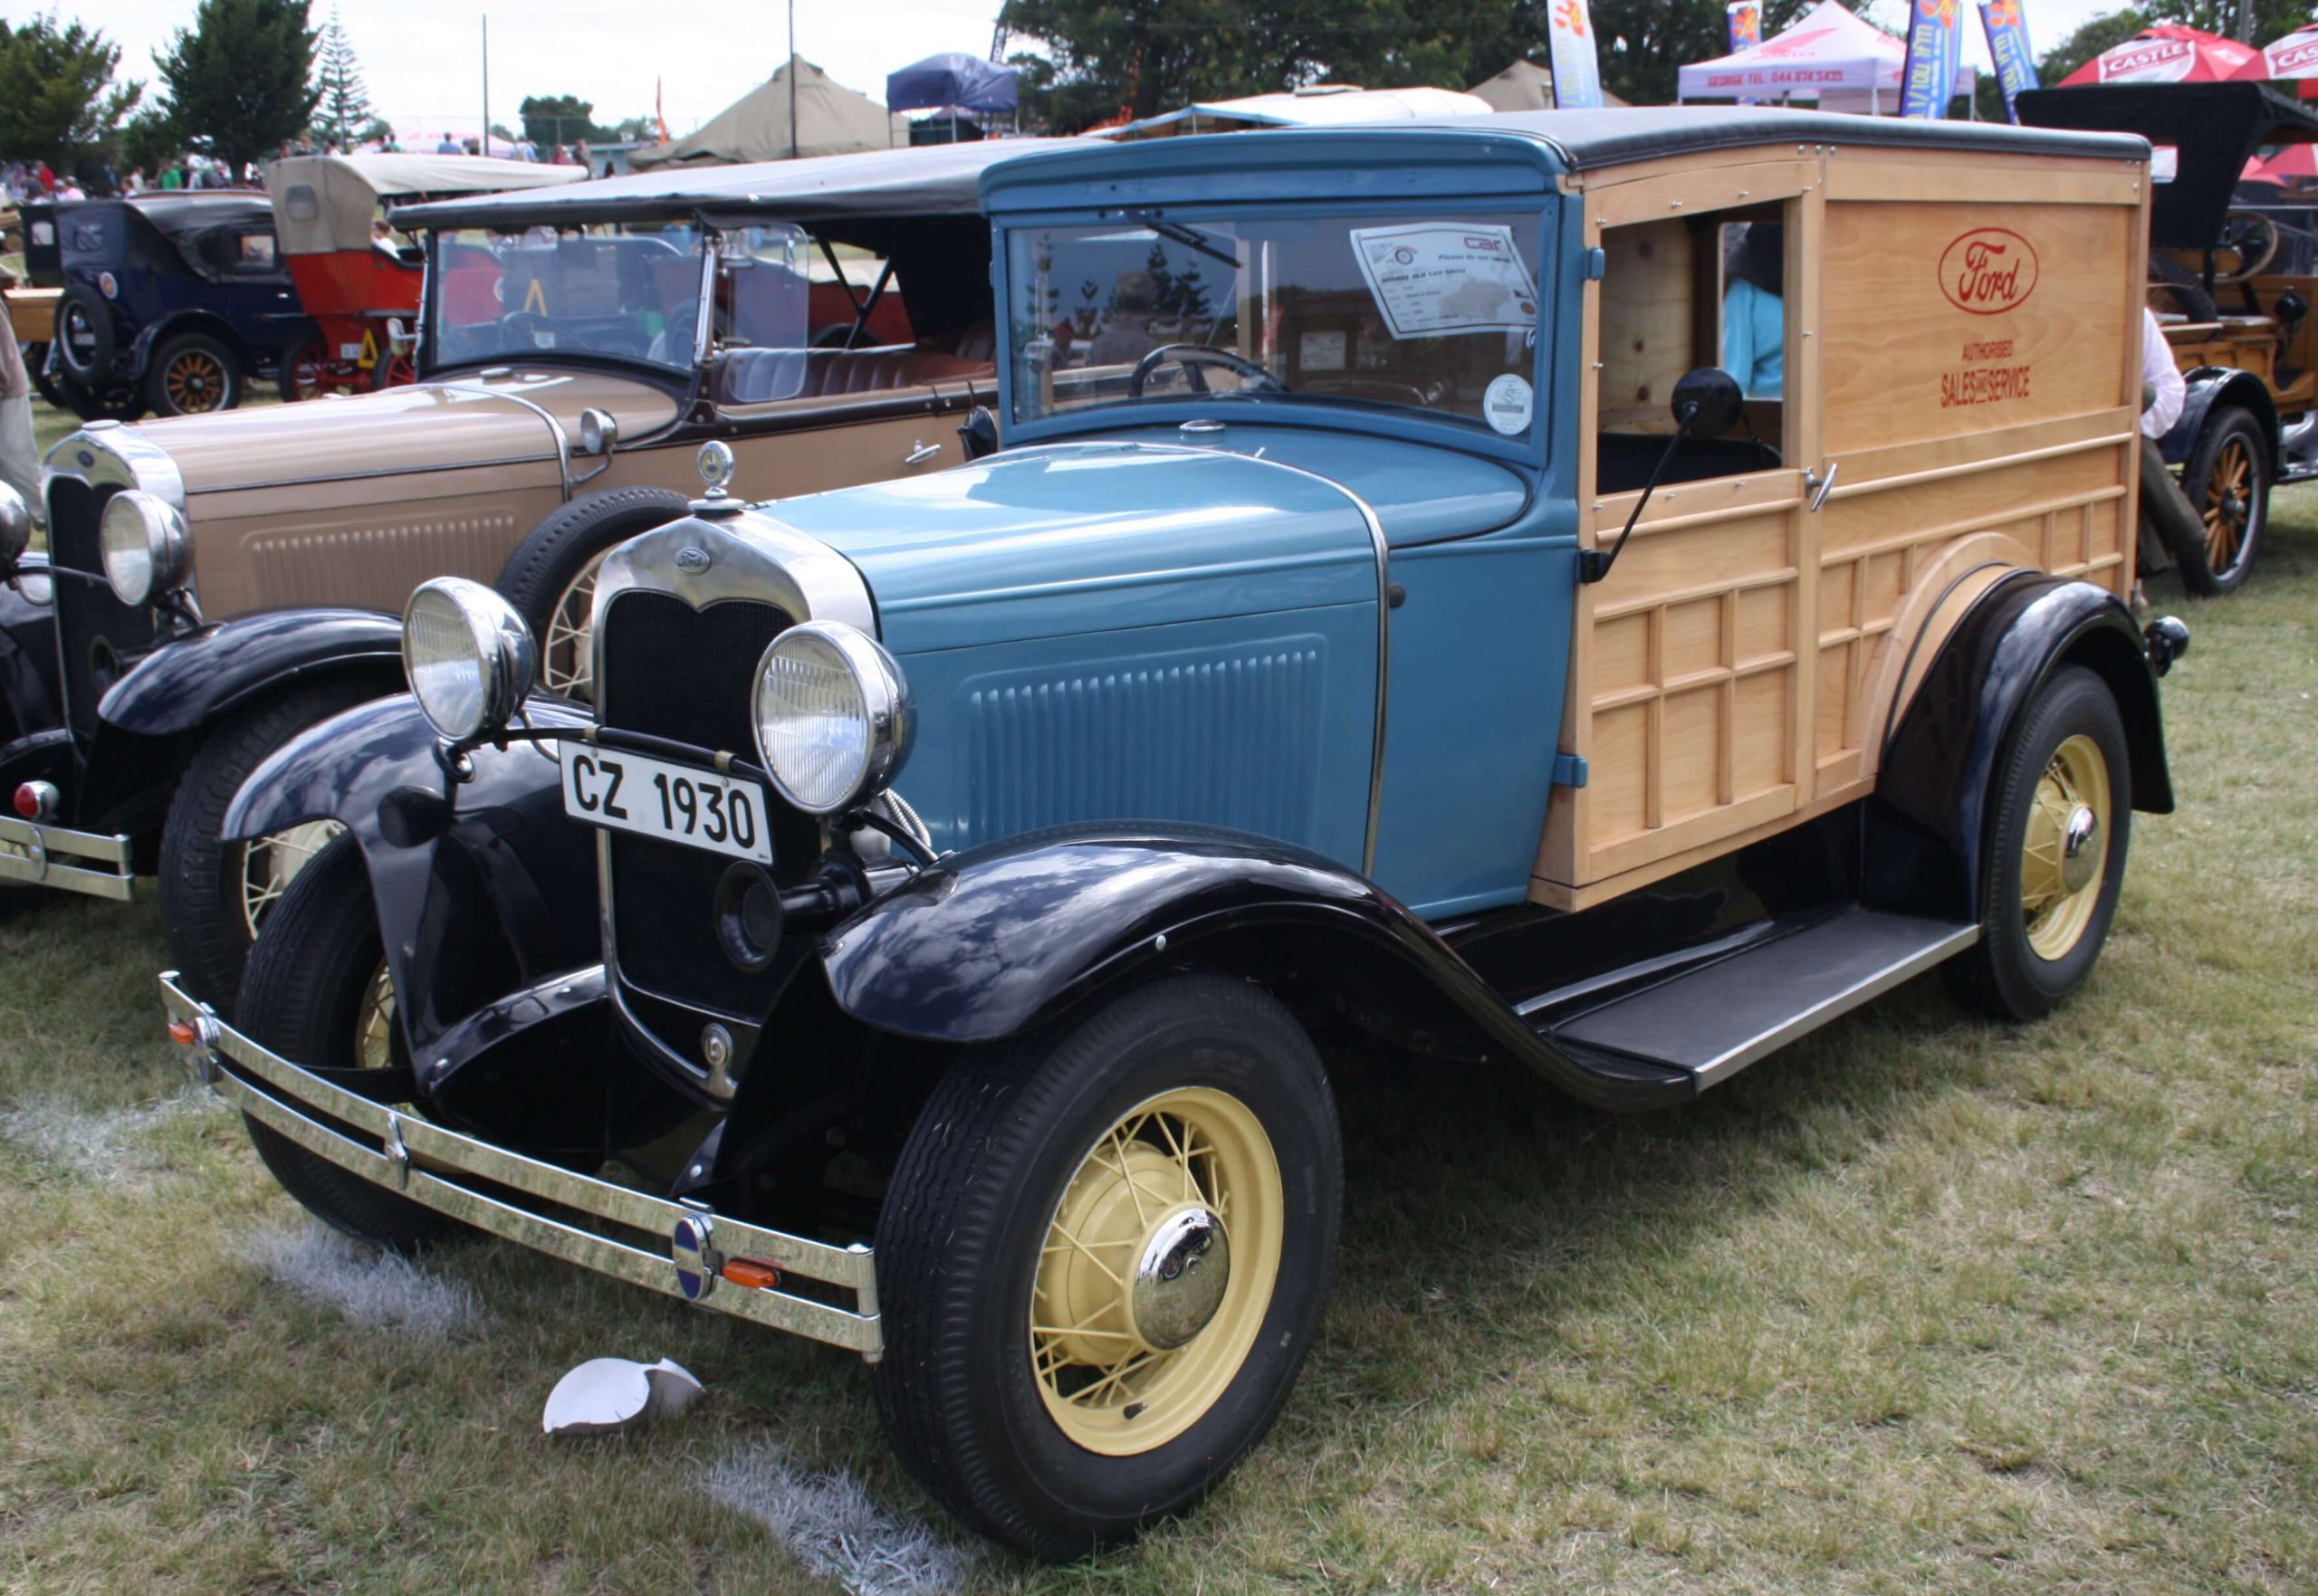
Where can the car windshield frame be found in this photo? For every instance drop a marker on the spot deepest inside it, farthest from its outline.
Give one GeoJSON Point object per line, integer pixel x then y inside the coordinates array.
{"type": "Point", "coordinates": [1192, 231]}
{"type": "Point", "coordinates": [702, 269]}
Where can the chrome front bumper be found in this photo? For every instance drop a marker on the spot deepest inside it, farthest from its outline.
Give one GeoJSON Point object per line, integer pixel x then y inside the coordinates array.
{"type": "Point", "coordinates": [38, 854]}
{"type": "Point", "coordinates": [429, 1165]}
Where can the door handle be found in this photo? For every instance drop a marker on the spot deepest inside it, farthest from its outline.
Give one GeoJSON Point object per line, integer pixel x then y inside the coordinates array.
{"type": "Point", "coordinates": [1821, 486]}
{"type": "Point", "coordinates": [919, 453]}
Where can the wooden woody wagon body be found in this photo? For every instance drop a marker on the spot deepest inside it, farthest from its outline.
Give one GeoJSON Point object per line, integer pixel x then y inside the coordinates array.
{"type": "Point", "coordinates": [1386, 616]}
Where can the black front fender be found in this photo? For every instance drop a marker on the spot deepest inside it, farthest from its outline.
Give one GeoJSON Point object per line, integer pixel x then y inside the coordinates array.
{"type": "Point", "coordinates": [993, 942]}
{"type": "Point", "coordinates": [1923, 845]}
{"type": "Point", "coordinates": [190, 680]}
{"type": "Point", "coordinates": [483, 887]}
{"type": "Point", "coordinates": [2209, 387]}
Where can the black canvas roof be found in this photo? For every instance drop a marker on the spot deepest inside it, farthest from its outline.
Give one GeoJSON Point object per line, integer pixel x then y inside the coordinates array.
{"type": "Point", "coordinates": [2215, 126]}
{"type": "Point", "coordinates": [929, 180]}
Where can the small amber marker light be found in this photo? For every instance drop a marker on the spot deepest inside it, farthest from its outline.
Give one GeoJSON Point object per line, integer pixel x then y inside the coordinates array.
{"type": "Point", "coordinates": [181, 1032]}
{"type": "Point", "coordinates": [750, 1272]}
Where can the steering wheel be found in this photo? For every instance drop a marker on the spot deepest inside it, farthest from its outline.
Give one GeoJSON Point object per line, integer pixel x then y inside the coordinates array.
{"type": "Point", "coordinates": [2253, 237]}
{"type": "Point", "coordinates": [1191, 357]}
{"type": "Point", "coordinates": [527, 325]}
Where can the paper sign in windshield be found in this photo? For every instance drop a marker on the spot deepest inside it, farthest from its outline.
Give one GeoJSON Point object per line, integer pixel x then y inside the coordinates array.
{"type": "Point", "coordinates": [1429, 280]}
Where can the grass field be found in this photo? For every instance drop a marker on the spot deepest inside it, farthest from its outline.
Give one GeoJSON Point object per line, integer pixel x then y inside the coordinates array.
{"type": "Point", "coordinates": [1921, 1304]}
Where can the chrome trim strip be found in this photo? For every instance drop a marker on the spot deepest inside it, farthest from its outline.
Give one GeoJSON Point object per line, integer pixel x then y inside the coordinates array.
{"type": "Point", "coordinates": [1720, 1069]}
{"type": "Point", "coordinates": [28, 854]}
{"type": "Point", "coordinates": [276, 1092]}
{"type": "Point", "coordinates": [554, 428]}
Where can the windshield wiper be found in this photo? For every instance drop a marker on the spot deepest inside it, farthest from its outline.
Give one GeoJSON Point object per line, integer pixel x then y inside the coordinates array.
{"type": "Point", "coordinates": [1188, 237]}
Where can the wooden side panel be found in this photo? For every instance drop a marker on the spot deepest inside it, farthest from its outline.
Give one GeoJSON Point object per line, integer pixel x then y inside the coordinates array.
{"type": "Point", "coordinates": [1647, 296]}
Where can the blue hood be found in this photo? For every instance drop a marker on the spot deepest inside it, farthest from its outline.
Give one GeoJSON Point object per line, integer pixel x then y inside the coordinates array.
{"type": "Point", "coordinates": [1065, 539]}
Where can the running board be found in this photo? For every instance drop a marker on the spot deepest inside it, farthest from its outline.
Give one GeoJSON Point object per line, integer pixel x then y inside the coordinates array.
{"type": "Point", "coordinates": [1714, 1021]}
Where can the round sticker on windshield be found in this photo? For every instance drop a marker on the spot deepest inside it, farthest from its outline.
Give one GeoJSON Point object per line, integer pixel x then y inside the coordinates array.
{"type": "Point", "coordinates": [1506, 405]}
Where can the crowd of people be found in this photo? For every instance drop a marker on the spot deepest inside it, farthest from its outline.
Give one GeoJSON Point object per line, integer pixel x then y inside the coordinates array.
{"type": "Point", "coordinates": [23, 181]}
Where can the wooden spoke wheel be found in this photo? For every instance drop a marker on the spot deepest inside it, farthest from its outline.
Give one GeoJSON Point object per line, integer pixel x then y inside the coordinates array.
{"type": "Point", "coordinates": [2227, 479]}
{"type": "Point", "coordinates": [193, 375]}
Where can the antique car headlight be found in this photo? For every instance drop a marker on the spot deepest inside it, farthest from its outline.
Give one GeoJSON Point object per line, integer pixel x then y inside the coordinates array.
{"type": "Point", "coordinates": [469, 657]}
{"type": "Point", "coordinates": [833, 716]}
{"type": "Point", "coordinates": [144, 542]}
{"type": "Point", "coordinates": [15, 525]}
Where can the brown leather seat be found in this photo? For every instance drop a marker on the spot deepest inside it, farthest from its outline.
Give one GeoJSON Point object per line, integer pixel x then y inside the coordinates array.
{"type": "Point", "coordinates": [758, 376]}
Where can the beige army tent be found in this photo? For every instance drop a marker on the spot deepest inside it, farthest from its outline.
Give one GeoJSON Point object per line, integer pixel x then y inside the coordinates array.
{"type": "Point", "coordinates": [1525, 86]}
{"type": "Point", "coordinates": [829, 118]}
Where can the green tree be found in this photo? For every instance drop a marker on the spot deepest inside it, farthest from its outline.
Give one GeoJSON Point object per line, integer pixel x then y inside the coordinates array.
{"type": "Point", "coordinates": [1143, 57]}
{"type": "Point", "coordinates": [550, 120]}
{"type": "Point", "coordinates": [55, 104]}
{"type": "Point", "coordinates": [241, 78]}
{"type": "Point", "coordinates": [343, 116]}
{"type": "Point", "coordinates": [151, 140]}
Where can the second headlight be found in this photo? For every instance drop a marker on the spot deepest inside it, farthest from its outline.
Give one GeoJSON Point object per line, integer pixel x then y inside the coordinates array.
{"type": "Point", "coordinates": [142, 539]}
{"type": "Point", "coordinates": [469, 657]}
{"type": "Point", "coordinates": [833, 716]}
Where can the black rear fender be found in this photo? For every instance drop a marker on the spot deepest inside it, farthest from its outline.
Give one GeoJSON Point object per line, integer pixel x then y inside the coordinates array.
{"type": "Point", "coordinates": [482, 887]}
{"type": "Point", "coordinates": [1924, 824]}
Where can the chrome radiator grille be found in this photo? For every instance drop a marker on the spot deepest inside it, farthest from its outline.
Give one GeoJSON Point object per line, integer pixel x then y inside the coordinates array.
{"type": "Point", "coordinates": [95, 632]}
{"type": "Point", "coordinates": [672, 671]}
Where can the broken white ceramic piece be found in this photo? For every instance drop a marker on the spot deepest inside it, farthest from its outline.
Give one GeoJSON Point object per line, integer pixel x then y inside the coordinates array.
{"type": "Point", "coordinates": [605, 1394]}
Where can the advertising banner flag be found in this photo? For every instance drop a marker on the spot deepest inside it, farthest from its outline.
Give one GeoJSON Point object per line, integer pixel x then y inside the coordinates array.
{"type": "Point", "coordinates": [1577, 70]}
{"type": "Point", "coordinates": [2016, 63]}
{"type": "Point", "coordinates": [1745, 18]}
{"type": "Point", "coordinates": [1935, 44]}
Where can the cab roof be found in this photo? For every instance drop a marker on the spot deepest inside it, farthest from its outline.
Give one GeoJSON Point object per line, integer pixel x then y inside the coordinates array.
{"type": "Point", "coordinates": [1549, 142]}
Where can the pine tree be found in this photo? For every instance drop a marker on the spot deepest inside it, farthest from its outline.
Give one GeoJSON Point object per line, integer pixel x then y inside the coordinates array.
{"type": "Point", "coordinates": [343, 116]}
{"type": "Point", "coordinates": [240, 78]}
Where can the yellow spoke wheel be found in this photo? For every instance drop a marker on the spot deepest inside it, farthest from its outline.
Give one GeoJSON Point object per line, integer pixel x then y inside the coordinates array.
{"type": "Point", "coordinates": [270, 864]}
{"type": "Point", "coordinates": [374, 1022]}
{"type": "Point", "coordinates": [1156, 1271]}
{"type": "Point", "coordinates": [567, 662]}
{"type": "Point", "coordinates": [2064, 858]}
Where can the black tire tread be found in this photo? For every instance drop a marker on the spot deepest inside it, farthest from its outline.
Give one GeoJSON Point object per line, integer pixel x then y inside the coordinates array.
{"type": "Point", "coordinates": [543, 563]}
{"type": "Point", "coordinates": [322, 938]}
{"type": "Point", "coordinates": [199, 917]}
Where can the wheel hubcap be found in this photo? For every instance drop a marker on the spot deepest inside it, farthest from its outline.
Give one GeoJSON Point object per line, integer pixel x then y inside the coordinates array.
{"type": "Point", "coordinates": [2066, 854]}
{"type": "Point", "coordinates": [1157, 1269]}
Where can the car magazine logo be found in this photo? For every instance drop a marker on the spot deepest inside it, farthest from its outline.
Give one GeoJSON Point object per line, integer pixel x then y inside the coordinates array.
{"type": "Point", "coordinates": [1987, 270]}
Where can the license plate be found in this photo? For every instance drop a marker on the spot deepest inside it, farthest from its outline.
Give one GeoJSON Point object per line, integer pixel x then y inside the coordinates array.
{"type": "Point", "coordinates": [676, 803]}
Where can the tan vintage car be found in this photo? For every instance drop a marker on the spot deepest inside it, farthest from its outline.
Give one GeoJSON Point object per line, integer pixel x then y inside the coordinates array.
{"type": "Point", "coordinates": [221, 582]}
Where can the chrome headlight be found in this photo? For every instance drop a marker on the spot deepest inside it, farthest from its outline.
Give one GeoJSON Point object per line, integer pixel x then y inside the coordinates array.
{"type": "Point", "coordinates": [144, 541]}
{"type": "Point", "coordinates": [833, 716]}
{"type": "Point", "coordinates": [469, 657]}
{"type": "Point", "coordinates": [15, 525]}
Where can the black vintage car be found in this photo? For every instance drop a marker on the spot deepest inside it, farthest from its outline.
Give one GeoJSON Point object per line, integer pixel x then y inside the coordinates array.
{"type": "Point", "coordinates": [172, 301]}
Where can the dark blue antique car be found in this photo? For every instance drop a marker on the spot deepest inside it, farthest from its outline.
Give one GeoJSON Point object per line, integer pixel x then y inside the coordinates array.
{"type": "Point", "coordinates": [1388, 620]}
{"type": "Point", "coordinates": [172, 303]}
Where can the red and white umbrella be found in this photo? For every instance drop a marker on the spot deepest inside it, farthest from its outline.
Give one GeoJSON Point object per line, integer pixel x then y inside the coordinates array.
{"type": "Point", "coordinates": [2166, 53]}
{"type": "Point", "coordinates": [2295, 56]}
{"type": "Point", "coordinates": [2295, 165]}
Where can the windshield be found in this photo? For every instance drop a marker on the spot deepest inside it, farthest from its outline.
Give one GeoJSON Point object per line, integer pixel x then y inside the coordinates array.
{"type": "Point", "coordinates": [631, 294]}
{"type": "Point", "coordinates": [1437, 313]}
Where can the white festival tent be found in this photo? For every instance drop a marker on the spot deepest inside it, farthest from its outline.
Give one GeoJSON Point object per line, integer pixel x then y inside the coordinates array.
{"type": "Point", "coordinates": [1827, 54]}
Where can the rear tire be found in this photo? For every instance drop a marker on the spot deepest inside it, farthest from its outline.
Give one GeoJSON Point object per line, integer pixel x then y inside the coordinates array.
{"type": "Point", "coordinates": [1201, 1101]}
{"type": "Point", "coordinates": [551, 578]}
{"type": "Point", "coordinates": [202, 913]}
{"type": "Point", "coordinates": [310, 977]}
{"type": "Point", "coordinates": [306, 371]}
{"type": "Point", "coordinates": [85, 342]}
{"type": "Point", "coordinates": [193, 374]}
{"type": "Point", "coordinates": [2228, 483]}
{"type": "Point", "coordinates": [2039, 935]}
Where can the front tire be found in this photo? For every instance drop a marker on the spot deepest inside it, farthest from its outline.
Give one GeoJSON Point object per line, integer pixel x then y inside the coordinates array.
{"type": "Point", "coordinates": [212, 904]}
{"type": "Point", "coordinates": [193, 374]}
{"type": "Point", "coordinates": [1102, 1260]}
{"type": "Point", "coordinates": [551, 578]}
{"type": "Point", "coordinates": [2053, 852]}
{"type": "Point", "coordinates": [317, 994]}
{"type": "Point", "coordinates": [2227, 483]}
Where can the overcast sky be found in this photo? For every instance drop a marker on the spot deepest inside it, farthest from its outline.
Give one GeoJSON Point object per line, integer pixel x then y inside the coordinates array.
{"type": "Point", "coordinates": [422, 58]}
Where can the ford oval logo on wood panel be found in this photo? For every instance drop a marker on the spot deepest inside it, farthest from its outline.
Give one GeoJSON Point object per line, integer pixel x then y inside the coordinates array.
{"type": "Point", "coordinates": [1988, 270]}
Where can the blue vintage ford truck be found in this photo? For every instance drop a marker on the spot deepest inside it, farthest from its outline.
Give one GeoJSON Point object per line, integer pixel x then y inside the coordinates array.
{"type": "Point", "coordinates": [1407, 604]}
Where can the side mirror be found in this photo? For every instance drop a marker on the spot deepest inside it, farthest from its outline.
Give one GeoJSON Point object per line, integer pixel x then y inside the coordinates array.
{"type": "Point", "coordinates": [1707, 403]}
{"type": "Point", "coordinates": [979, 435]}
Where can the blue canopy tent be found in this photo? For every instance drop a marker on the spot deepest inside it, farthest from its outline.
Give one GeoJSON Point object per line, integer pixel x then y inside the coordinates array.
{"type": "Point", "coordinates": [955, 82]}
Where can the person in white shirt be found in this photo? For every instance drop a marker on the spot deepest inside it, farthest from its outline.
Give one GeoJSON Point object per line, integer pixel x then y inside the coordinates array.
{"type": "Point", "coordinates": [2159, 372]}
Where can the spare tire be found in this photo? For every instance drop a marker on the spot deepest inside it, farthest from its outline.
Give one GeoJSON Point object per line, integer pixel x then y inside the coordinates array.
{"type": "Point", "coordinates": [84, 336]}
{"type": "Point", "coordinates": [550, 579]}
{"type": "Point", "coordinates": [2172, 278]}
